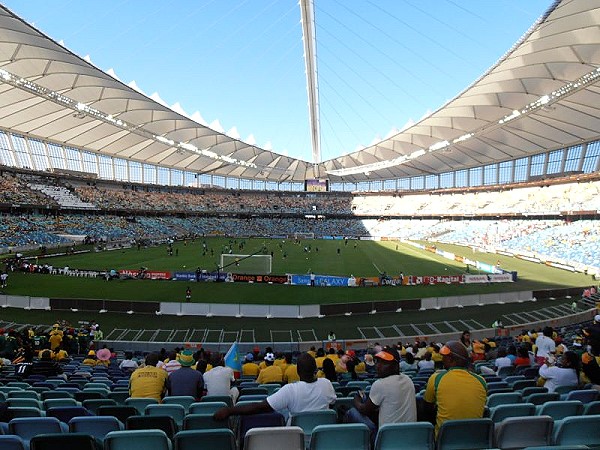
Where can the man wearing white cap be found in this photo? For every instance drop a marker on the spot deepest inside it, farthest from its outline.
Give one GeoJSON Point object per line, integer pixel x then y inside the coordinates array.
{"type": "Point", "coordinates": [271, 373]}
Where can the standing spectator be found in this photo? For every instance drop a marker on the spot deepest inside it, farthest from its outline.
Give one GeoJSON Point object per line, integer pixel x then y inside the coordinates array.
{"type": "Point", "coordinates": [188, 295]}
{"type": "Point", "coordinates": [186, 381]}
{"type": "Point", "coordinates": [545, 346]}
{"type": "Point", "coordinates": [449, 390]}
{"type": "Point", "coordinates": [308, 394]}
{"type": "Point", "coordinates": [391, 398]}
{"type": "Point", "coordinates": [4, 279]}
{"type": "Point", "coordinates": [148, 381]}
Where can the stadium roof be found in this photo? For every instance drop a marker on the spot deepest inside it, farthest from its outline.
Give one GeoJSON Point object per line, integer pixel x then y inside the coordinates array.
{"type": "Point", "coordinates": [542, 94]}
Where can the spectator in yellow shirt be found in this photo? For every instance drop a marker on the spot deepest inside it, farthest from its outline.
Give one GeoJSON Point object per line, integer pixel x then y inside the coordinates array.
{"type": "Point", "coordinates": [271, 373]}
{"type": "Point", "coordinates": [291, 372]}
{"type": "Point", "coordinates": [250, 367]}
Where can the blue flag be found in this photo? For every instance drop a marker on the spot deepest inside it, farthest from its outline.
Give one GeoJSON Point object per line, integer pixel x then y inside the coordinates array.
{"type": "Point", "coordinates": [232, 358]}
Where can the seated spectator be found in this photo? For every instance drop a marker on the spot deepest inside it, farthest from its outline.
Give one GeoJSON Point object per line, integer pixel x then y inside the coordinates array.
{"type": "Point", "coordinates": [391, 398]}
{"type": "Point", "coordinates": [502, 360]}
{"type": "Point", "coordinates": [564, 374]}
{"type": "Point", "coordinates": [328, 370]}
{"type": "Point", "coordinates": [149, 381]}
{"type": "Point", "coordinates": [128, 365]}
{"type": "Point", "coordinates": [185, 380]}
{"type": "Point", "coordinates": [308, 394]}
{"type": "Point", "coordinates": [249, 367]}
{"type": "Point", "coordinates": [523, 358]}
{"type": "Point", "coordinates": [408, 362]}
{"type": "Point", "coordinates": [271, 373]}
{"type": "Point", "coordinates": [448, 390]}
{"type": "Point", "coordinates": [45, 366]}
{"type": "Point", "coordinates": [90, 360]}
{"type": "Point", "coordinates": [291, 372]}
{"type": "Point", "coordinates": [218, 380]}
{"type": "Point", "coordinates": [370, 365]}
{"type": "Point", "coordinates": [426, 363]}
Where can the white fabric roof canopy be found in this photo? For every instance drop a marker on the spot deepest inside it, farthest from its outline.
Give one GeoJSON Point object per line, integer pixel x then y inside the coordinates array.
{"type": "Point", "coordinates": [559, 49]}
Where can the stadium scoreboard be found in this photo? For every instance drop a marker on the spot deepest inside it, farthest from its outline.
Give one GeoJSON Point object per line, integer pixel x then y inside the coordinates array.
{"type": "Point", "coordinates": [316, 185]}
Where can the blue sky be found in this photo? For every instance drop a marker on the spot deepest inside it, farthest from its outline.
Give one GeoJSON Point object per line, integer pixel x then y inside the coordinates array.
{"type": "Point", "coordinates": [382, 63]}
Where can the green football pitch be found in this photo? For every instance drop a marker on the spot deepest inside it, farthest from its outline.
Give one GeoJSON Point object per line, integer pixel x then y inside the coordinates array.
{"type": "Point", "coordinates": [360, 258]}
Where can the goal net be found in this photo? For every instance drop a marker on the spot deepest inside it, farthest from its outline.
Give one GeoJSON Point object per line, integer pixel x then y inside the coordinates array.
{"type": "Point", "coordinates": [251, 264]}
{"type": "Point", "coordinates": [300, 236]}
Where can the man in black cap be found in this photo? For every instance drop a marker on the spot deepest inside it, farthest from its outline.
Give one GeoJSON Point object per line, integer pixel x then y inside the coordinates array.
{"type": "Point", "coordinates": [391, 398]}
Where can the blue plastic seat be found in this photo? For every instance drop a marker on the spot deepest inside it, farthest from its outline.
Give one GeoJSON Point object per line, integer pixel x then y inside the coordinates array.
{"type": "Point", "coordinates": [137, 439]}
{"type": "Point", "coordinates": [520, 432]}
{"type": "Point", "coordinates": [465, 433]}
{"type": "Point", "coordinates": [164, 423]}
{"type": "Point", "coordinates": [78, 441]}
{"type": "Point", "coordinates": [501, 412]}
{"type": "Point", "coordinates": [66, 413]}
{"type": "Point", "coordinates": [503, 398]}
{"type": "Point", "coordinates": [27, 427]}
{"type": "Point", "coordinates": [583, 395]}
{"type": "Point", "coordinates": [578, 430]}
{"type": "Point", "coordinates": [97, 426]}
{"type": "Point", "coordinates": [11, 442]}
{"type": "Point", "coordinates": [203, 422]}
{"type": "Point", "coordinates": [205, 407]}
{"type": "Point", "coordinates": [140, 403]}
{"type": "Point", "coordinates": [310, 419]}
{"type": "Point", "coordinates": [347, 436]}
{"type": "Point", "coordinates": [538, 399]}
{"type": "Point", "coordinates": [184, 400]}
{"type": "Point", "coordinates": [176, 411]}
{"type": "Point", "coordinates": [560, 409]}
{"type": "Point", "coordinates": [218, 398]}
{"type": "Point", "coordinates": [412, 435]}
{"type": "Point", "coordinates": [289, 438]}
{"type": "Point", "coordinates": [591, 408]}
{"type": "Point", "coordinates": [222, 439]}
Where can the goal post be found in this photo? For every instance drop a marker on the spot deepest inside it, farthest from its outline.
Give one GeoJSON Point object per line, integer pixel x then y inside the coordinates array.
{"type": "Point", "coordinates": [251, 264]}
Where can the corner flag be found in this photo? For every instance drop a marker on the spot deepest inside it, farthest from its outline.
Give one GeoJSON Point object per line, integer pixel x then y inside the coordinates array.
{"type": "Point", "coordinates": [232, 359]}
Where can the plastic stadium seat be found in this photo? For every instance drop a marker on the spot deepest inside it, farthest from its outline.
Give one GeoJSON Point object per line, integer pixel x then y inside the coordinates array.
{"type": "Point", "coordinates": [24, 394]}
{"type": "Point", "coordinates": [253, 391]}
{"type": "Point", "coordinates": [465, 433]}
{"type": "Point", "coordinates": [527, 391]}
{"type": "Point", "coordinates": [137, 439]}
{"type": "Point", "coordinates": [176, 411]}
{"type": "Point", "coordinates": [54, 402]}
{"type": "Point", "coordinates": [221, 439]}
{"type": "Point", "coordinates": [591, 408]}
{"type": "Point", "coordinates": [93, 404]}
{"type": "Point", "coordinates": [56, 394]}
{"type": "Point", "coordinates": [97, 426]}
{"type": "Point", "coordinates": [519, 432]}
{"type": "Point", "coordinates": [184, 400]}
{"type": "Point", "coordinates": [560, 409]}
{"type": "Point", "coordinates": [270, 387]}
{"type": "Point", "coordinates": [119, 397]}
{"type": "Point", "coordinates": [24, 403]}
{"type": "Point", "coordinates": [538, 399]}
{"type": "Point", "coordinates": [66, 413]}
{"type": "Point", "coordinates": [506, 371]}
{"type": "Point", "coordinates": [11, 442]}
{"type": "Point", "coordinates": [578, 430]}
{"type": "Point", "coordinates": [203, 422]}
{"type": "Point", "coordinates": [503, 399]}
{"type": "Point", "coordinates": [205, 407]}
{"type": "Point", "coordinates": [27, 427]}
{"type": "Point", "coordinates": [78, 441]}
{"type": "Point", "coordinates": [346, 436]}
{"type": "Point", "coordinates": [25, 411]}
{"type": "Point", "coordinates": [289, 438]}
{"type": "Point", "coordinates": [519, 385]}
{"type": "Point", "coordinates": [583, 395]}
{"type": "Point", "coordinates": [412, 435]}
{"type": "Point", "coordinates": [262, 420]}
{"type": "Point", "coordinates": [121, 412]}
{"type": "Point", "coordinates": [218, 398]}
{"type": "Point", "coordinates": [310, 419]}
{"type": "Point", "coordinates": [501, 412]}
{"type": "Point", "coordinates": [164, 423]}
{"type": "Point", "coordinates": [140, 403]}
{"type": "Point", "coordinates": [252, 398]}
